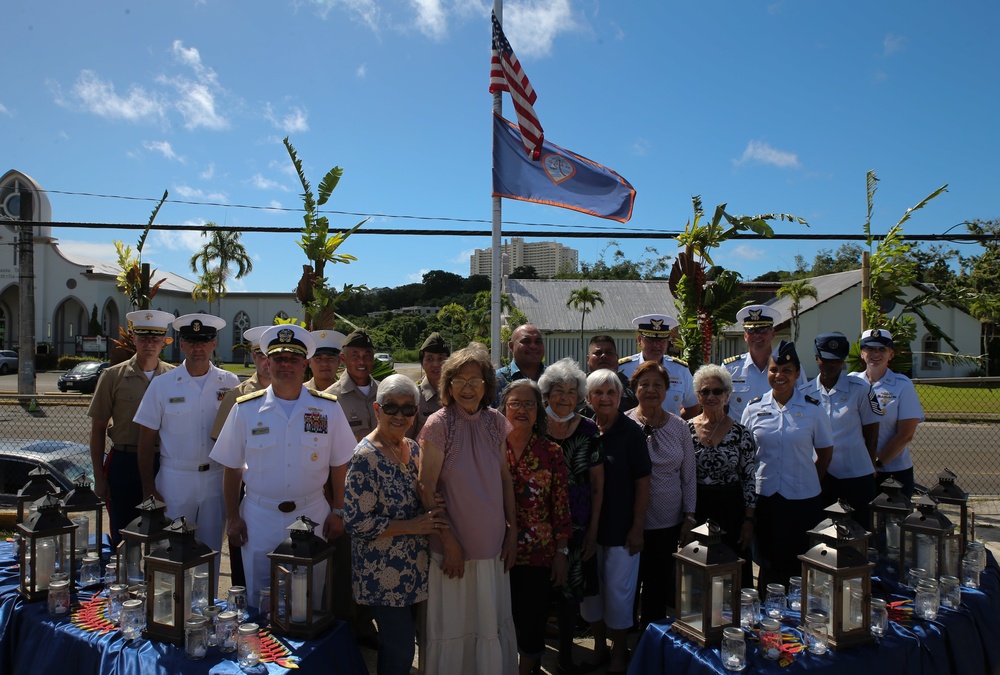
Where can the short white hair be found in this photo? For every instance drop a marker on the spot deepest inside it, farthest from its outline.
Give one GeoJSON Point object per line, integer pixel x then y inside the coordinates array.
{"type": "Point", "coordinates": [603, 377]}
{"type": "Point", "coordinates": [396, 385]}
{"type": "Point", "coordinates": [564, 371]}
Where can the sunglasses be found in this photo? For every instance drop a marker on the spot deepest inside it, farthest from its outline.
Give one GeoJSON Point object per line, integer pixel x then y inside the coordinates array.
{"type": "Point", "coordinates": [711, 392]}
{"type": "Point", "coordinates": [408, 410]}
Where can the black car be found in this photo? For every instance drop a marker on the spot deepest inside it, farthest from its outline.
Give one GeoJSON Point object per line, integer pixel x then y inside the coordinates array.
{"type": "Point", "coordinates": [82, 377]}
{"type": "Point", "coordinates": [64, 460]}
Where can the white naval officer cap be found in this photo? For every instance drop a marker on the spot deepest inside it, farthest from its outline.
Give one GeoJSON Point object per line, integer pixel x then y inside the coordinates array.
{"type": "Point", "coordinates": [198, 327]}
{"type": "Point", "coordinates": [288, 338]}
{"type": "Point", "coordinates": [756, 316]}
{"type": "Point", "coordinates": [328, 341]}
{"type": "Point", "coordinates": [252, 335]}
{"type": "Point", "coordinates": [655, 325]}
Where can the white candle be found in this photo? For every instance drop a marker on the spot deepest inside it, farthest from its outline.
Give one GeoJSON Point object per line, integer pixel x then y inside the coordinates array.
{"type": "Point", "coordinates": [716, 601]}
{"type": "Point", "coordinates": [45, 563]}
{"type": "Point", "coordinates": [925, 555]}
{"type": "Point", "coordinates": [892, 532]}
{"type": "Point", "coordinates": [300, 597]}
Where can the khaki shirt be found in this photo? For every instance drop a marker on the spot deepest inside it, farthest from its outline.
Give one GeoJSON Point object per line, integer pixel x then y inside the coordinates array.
{"type": "Point", "coordinates": [119, 391]}
{"type": "Point", "coordinates": [248, 386]}
{"type": "Point", "coordinates": [429, 402]}
{"type": "Point", "coordinates": [311, 384]}
{"type": "Point", "coordinates": [358, 408]}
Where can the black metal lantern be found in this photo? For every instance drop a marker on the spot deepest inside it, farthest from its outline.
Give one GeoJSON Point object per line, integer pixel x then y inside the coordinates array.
{"type": "Point", "coordinates": [953, 502]}
{"type": "Point", "coordinates": [171, 567]}
{"type": "Point", "coordinates": [708, 586]}
{"type": "Point", "coordinates": [138, 538]}
{"type": "Point", "coordinates": [48, 539]}
{"type": "Point", "coordinates": [39, 484]}
{"type": "Point", "coordinates": [928, 541]}
{"type": "Point", "coordinates": [839, 528]}
{"type": "Point", "coordinates": [888, 511]}
{"type": "Point", "coordinates": [302, 582]}
{"type": "Point", "coordinates": [83, 502]}
{"type": "Point", "coordinates": [836, 582]}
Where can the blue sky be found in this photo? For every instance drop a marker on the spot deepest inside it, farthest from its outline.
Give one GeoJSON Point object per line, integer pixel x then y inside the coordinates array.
{"type": "Point", "coordinates": [769, 106]}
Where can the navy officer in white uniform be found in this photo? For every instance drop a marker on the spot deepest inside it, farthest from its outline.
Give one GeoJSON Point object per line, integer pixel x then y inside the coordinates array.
{"type": "Point", "coordinates": [290, 445]}
{"type": "Point", "coordinates": [854, 413]}
{"type": "Point", "coordinates": [181, 407]}
{"type": "Point", "coordinates": [653, 333]}
{"type": "Point", "coordinates": [749, 369]}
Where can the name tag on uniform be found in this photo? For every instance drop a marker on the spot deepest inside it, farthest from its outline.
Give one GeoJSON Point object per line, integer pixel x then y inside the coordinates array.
{"type": "Point", "coordinates": [763, 414]}
{"type": "Point", "coordinates": [177, 399]}
{"type": "Point", "coordinates": [260, 431]}
{"type": "Point", "coordinates": [315, 423]}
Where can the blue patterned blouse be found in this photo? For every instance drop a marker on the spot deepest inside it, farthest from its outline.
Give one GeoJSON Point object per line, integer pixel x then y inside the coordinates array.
{"type": "Point", "coordinates": [390, 571]}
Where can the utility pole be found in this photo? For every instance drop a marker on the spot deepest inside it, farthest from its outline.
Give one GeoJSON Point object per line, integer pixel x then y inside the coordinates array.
{"type": "Point", "coordinates": [26, 297]}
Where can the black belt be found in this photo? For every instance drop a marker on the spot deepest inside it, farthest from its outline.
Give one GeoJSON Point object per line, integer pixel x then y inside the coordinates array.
{"type": "Point", "coordinates": [126, 448]}
{"type": "Point", "coordinates": [286, 507]}
{"type": "Point", "coordinates": [204, 467]}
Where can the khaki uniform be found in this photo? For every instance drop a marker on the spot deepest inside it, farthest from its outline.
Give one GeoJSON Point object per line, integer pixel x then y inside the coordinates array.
{"type": "Point", "coordinates": [358, 408]}
{"type": "Point", "coordinates": [248, 386]}
{"type": "Point", "coordinates": [428, 402]}
{"type": "Point", "coordinates": [119, 391]}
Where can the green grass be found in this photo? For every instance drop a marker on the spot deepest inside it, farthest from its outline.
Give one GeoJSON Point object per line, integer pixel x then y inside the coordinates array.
{"type": "Point", "coordinates": [974, 399]}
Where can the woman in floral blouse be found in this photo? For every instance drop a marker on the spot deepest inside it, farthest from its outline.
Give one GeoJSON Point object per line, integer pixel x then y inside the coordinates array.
{"type": "Point", "coordinates": [388, 525]}
{"type": "Point", "coordinates": [541, 499]}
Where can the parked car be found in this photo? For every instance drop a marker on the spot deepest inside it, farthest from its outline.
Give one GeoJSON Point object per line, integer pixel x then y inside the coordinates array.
{"type": "Point", "coordinates": [82, 376]}
{"type": "Point", "coordinates": [64, 460]}
{"type": "Point", "coordinates": [8, 362]}
{"type": "Point", "coordinates": [385, 358]}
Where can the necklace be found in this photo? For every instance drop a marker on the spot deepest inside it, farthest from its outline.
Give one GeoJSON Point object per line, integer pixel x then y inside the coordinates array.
{"type": "Point", "coordinates": [649, 423]}
{"type": "Point", "coordinates": [711, 434]}
{"type": "Point", "coordinates": [395, 453]}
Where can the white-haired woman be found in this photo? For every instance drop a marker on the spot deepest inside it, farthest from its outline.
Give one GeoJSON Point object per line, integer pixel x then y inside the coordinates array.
{"type": "Point", "coordinates": [622, 521]}
{"type": "Point", "coordinates": [388, 525]}
{"type": "Point", "coordinates": [564, 386]}
{"type": "Point", "coordinates": [726, 460]}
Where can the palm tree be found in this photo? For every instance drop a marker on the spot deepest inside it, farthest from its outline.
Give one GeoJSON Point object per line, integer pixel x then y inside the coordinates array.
{"type": "Point", "coordinates": [451, 313]}
{"type": "Point", "coordinates": [222, 251]}
{"type": "Point", "coordinates": [797, 291]}
{"type": "Point", "coordinates": [208, 288]}
{"type": "Point", "coordinates": [584, 299]}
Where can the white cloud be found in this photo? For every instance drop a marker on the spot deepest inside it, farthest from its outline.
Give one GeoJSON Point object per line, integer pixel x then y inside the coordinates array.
{"type": "Point", "coordinates": [208, 172]}
{"type": "Point", "coordinates": [275, 204]}
{"type": "Point", "coordinates": [285, 167]}
{"type": "Point", "coordinates": [163, 147]}
{"type": "Point", "coordinates": [361, 71]}
{"type": "Point", "coordinates": [261, 183]}
{"type": "Point", "coordinates": [532, 26]}
{"type": "Point", "coordinates": [99, 97]}
{"type": "Point", "coordinates": [641, 146]}
{"type": "Point", "coordinates": [431, 18]}
{"type": "Point", "coordinates": [748, 252]}
{"type": "Point", "coordinates": [366, 11]}
{"type": "Point", "coordinates": [195, 194]}
{"type": "Point", "coordinates": [196, 98]}
{"type": "Point", "coordinates": [758, 152]}
{"type": "Point", "coordinates": [294, 121]}
{"type": "Point", "coordinates": [416, 277]}
{"type": "Point", "coordinates": [183, 240]}
{"type": "Point", "coordinates": [892, 44]}
{"type": "Point", "coordinates": [5, 111]}
{"type": "Point", "coordinates": [463, 257]}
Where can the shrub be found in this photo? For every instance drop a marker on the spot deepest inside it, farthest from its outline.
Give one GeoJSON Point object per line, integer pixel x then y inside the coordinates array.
{"type": "Point", "coordinates": [406, 355]}
{"type": "Point", "coordinates": [66, 361]}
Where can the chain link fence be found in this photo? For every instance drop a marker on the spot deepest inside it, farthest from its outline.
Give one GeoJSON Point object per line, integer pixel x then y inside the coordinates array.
{"type": "Point", "coordinates": [961, 432]}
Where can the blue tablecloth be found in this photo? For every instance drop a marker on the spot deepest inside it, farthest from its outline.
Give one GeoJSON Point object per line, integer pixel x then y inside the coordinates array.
{"type": "Point", "coordinates": [33, 642]}
{"type": "Point", "coordinates": [963, 641]}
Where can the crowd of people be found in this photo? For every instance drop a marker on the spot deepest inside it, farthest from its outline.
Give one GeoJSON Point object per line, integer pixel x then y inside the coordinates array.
{"type": "Point", "coordinates": [469, 507]}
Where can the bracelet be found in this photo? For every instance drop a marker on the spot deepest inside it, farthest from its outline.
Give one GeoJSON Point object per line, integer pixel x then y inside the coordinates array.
{"type": "Point", "coordinates": [691, 519]}
{"type": "Point", "coordinates": [338, 512]}
{"type": "Point", "coordinates": [564, 550]}
{"type": "Point", "coordinates": [750, 519]}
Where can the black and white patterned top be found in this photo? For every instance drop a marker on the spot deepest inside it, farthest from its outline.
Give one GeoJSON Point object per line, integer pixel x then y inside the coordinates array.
{"type": "Point", "coordinates": [733, 460]}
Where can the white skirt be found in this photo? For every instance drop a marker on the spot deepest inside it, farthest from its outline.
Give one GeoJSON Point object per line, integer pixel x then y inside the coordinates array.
{"type": "Point", "coordinates": [469, 627]}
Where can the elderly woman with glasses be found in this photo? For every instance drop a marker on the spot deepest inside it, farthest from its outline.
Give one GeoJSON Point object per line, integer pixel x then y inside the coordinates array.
{"type": "Point", "coordinates": [463, 455]}
{"type": "Point", "coordinates": [622, 521]}
{"type": "Point", "coordinates": [564, 386]}
{"type": "Point", "coordinates": [725, 458]}
{"type": "Point", "coordinates": [543, 525]}
{"type": "Point", "coordinates": [670, 515]}
{"type": "Point", "coordinates": [388, 524]}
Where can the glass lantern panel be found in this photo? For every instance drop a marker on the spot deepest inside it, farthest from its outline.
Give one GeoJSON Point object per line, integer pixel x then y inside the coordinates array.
{"type": "Point", "coordinates": [925, 553]}
{"type": "Point", "coordinates": [45, 556]}
{"type": "Point", "coordinates": [83, 534]}
{"type": "Point", "coordinates": [64, 554]}
{"type": "Point", "coordinates": [133, 558]}
{"type": "Point", "coordinates": [722, 594]}
{"type": "Point", "coordinates": [282, 583]}
{"type": "Point", "coordinates": [163, 590]}
{"type": "Point", "coordinates": [950, 555]}
{"type": "Point", "coordinates": [195, 589]}
{"type": "Point", "coordinates": [852, 599]}
{"type": "Point", "coordinates": [819, 587]}
{"type": "Point", "coordinates": [300, 593]}
{"type": "Point", "coordinates": [892, 533]}
{"type": "Point", "coordinates": [692, 592]}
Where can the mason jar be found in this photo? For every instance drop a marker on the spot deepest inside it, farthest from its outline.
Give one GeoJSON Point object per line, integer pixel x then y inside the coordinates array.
{"type": "Point", "coordinates": [734, 649]}
{"type": "Point", "coordinates": [248, 645]}
{"type": "Point", "coordinates": [195, 637]}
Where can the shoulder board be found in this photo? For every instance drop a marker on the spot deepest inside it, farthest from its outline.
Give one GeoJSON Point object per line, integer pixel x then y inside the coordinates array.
{"type": "Point", "coordinates": [624, 359]}
{"type": "Point", "coordinates": [323, 394]}
{"type": "Point", "coordinates": [756, 399]}
{"type": "Point", "coordinates": [252, 395]}
{"type": "Point", "coordinates": [731, 359]}
{"type": "Point", "coordinates": [810, 399]}
{"type": "Point", "coordinates": [677, 360]}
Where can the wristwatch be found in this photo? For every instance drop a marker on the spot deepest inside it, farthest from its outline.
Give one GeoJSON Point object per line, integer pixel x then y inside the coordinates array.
{"type": "Point", "coordinates": [878, 463]}
{"type": "Point", "coordinates": [338, 512]}
{"type": "Point", "coordinates": [691, 519]}
{"type": "Point", "coordinates": [564, 550]}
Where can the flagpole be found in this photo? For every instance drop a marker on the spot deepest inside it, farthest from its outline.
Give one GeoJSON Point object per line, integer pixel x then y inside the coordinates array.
{"type": "Point", "coordinates": [497, 272]}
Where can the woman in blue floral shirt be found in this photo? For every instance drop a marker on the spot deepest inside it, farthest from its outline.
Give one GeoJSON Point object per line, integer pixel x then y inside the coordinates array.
{"type": "Point", "coordinates": [388, 525]}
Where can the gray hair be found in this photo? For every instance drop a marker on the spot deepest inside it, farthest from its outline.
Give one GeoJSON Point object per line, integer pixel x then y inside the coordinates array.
{"type": "Point", "coordinates": [603, 377]}
{"type": "Point", "coordinates": [564, 371]}
{"type": "Point", "coordinates": [712, 370]}
{"type": "Point", "coordinates": [541, 419]}
{"type": "Point", "coordinates": [396, 385]}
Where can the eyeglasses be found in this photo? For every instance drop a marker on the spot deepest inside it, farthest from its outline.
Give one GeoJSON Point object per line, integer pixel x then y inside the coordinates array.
{"type": "Point", "coordinates": [522, 405]}
{"type": "Point", "coordinates": [711, 392]}
{"type": "Point", "coordinates": [474, 383]}
{"type": "Point", "coordinates": [408, 409]}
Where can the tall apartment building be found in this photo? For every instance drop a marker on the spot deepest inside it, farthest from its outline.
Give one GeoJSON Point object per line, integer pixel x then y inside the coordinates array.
{"type": "Point", "coordinates": [547, 257]}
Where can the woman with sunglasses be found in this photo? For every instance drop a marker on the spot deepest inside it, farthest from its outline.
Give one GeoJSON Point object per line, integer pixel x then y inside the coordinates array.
{"type": "Point", "coordinates": [725, 458]}
{"type": "Point", "coordinates": [541, 497]}
{"type": "Point", "coordinates": [463, 456]}
{"type": "Point", "coordinates": [670, 515]}
{"type": "Point", "coordinates": [388, 525]}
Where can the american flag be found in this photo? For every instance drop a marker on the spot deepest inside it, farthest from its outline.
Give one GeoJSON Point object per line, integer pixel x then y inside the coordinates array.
{"type": "Point", "coordinates": [506, 74]}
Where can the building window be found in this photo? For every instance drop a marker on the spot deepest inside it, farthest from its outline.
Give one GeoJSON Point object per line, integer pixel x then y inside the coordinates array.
{"type": "Point", "coordinates": [241, 322]}
{"type": "Point", "coordinates": [283, 315]}
{"type": "Point", "coordinates": [931, 347]}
